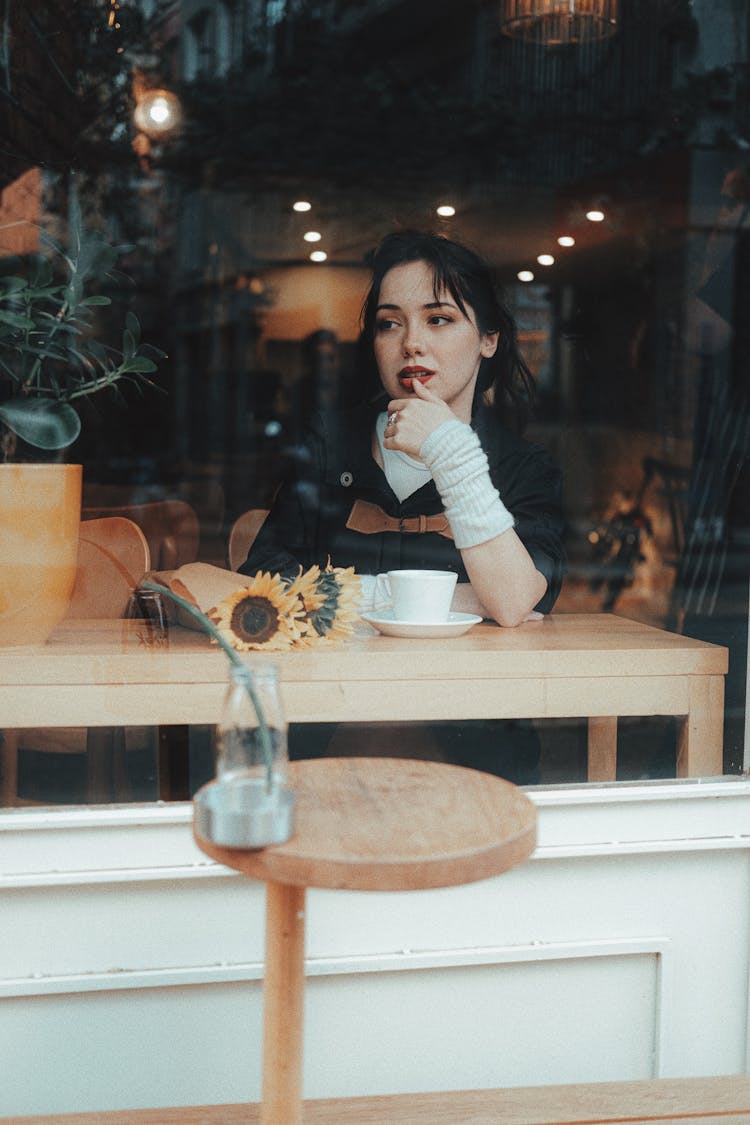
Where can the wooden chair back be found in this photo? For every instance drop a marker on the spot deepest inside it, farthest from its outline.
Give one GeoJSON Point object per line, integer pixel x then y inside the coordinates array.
{"type": "Point", "coordinates": [113, 556]}
{"type": "Point", "coordinates": [171, 527]}
{"type": "Point", "coordinates": [242, 535]}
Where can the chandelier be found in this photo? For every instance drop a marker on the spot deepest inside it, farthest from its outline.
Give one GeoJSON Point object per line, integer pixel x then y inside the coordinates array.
{"type": "Point", "coordinates": [555, 22]}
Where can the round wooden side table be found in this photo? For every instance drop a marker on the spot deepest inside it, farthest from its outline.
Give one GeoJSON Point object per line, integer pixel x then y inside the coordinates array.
{"type": "Point", "coordinates": [366, 824]}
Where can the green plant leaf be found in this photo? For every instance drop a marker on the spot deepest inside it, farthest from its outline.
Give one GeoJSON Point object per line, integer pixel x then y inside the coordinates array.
{"type": "Point", "coordinates": [46, 238]}
{"type": "Point", "coordinates": [76, 220]}
{"type": "Point", "coordinates": [49, 351]}
{"type": "Point", "coordinates": [84, 360]}
{"type": "Point", "coordinates": [40, 423]}
{"type": "Point", "coordinates": [151, 349]}
{"type": "Point", "coordinates": [16, 320]}
{"type": "Point", "coordinates": [13, 284]}
{"type": "Point", "coordinates": [133, 325]}
{"type": "Point", "coordinates": [45, 293]}
{"type": "Point", "coordinates": [41, 274]}
{"type": "Point", "coordinates": [141, 364]}
{"type": "Point", "coordinates": [97, 350]}
{"type": "Point", "coordinates": [120, 277]}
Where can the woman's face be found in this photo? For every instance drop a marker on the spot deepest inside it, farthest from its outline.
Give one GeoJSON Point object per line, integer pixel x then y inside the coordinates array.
{"type": "Point", "coordinates": [420, 337]}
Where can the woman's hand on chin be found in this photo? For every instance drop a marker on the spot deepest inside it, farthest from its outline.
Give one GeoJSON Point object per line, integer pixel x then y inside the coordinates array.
{"type": "Point", "coordinates": [417, 417]}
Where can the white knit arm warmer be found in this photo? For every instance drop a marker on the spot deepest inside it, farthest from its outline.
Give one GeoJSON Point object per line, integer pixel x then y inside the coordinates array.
{"type": "Point", "coordinates": [459, 467]}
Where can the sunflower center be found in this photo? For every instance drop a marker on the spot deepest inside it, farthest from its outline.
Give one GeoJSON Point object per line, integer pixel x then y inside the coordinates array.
{"type": "Point", "coordinates": [255, 619]}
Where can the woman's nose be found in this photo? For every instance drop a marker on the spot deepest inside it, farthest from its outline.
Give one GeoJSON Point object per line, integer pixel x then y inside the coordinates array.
{"type": "Point", "coordinates": [413, 342]}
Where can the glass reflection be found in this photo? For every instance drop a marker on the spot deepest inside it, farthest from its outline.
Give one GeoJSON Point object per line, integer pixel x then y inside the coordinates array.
{"type": "Point", "coordinates": [354, 120]}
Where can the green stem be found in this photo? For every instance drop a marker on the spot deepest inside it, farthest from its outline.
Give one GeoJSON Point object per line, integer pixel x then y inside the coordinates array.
{"type": "Point", "coordinates": [208, 626]}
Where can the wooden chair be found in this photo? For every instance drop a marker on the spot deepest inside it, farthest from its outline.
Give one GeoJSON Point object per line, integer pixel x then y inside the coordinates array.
{"type": "Point", "coordinates": [171, 527]}
{"type": "Point", "coordinates": [173, 531]}
{"type": "Point", "coordinates": [113, 556]}
{"type": "Point", "coordinates": [242, 535]}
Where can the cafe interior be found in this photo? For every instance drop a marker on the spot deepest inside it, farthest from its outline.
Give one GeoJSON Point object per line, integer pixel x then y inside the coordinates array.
{"type": "Point", "coordinates": [191, 192]}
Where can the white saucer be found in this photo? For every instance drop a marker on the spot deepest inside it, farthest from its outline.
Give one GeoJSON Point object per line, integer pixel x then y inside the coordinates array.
{"type": "Point", "coordinates": [456, 624]}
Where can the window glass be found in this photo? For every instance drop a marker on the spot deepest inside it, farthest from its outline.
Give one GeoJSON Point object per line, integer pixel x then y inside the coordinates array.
{"type": "Point", "coordinates": [192, 192]}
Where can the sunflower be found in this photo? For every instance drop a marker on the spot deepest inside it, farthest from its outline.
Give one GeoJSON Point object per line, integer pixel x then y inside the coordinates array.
{"type": "Point", "coordinates": [263, 615]}
{"type": "Point", "coordinates": [329, 599]}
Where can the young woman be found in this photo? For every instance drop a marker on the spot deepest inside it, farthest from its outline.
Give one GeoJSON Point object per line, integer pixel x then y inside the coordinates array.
{"type": "Point", "coordinates": [430, 470]}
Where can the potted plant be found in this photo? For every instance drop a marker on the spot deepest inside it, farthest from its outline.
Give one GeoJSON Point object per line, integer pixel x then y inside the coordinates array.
{"type": "Point", "coordinates": [50, 357]}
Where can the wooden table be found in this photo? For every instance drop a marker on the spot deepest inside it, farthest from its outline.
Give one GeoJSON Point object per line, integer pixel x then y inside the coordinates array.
{"type": "Point", "coordinates": [597, 666]}
{"type": "Point", "coordinates": [367, 824]}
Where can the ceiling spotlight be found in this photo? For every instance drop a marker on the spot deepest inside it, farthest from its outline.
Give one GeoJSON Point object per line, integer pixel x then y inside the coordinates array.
{"type": "Point", "coordinates": [312, 236]}
{"type": "Point", "coordinates": [595, 216]}
{"type": "Point", "coordinates": [446, 211]}
{"type": "Point", "coordinates": [566, 240]}
{"type": "Point", "coordinates": [301, 205]}
{"type": "Point", "coordinates": [318, 256]}
{"type": "Point", "coordinates": [545, 260]}
{"type": "Point", "coordinates": [525, 275]}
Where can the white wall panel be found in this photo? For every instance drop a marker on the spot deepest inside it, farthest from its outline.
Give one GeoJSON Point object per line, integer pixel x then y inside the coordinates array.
{"type": "Point", "coordinates": [486, 1022]}
{"type": "Point", "coordinates": [130, 968]}
{"type": "Point", "coordinates": [112, 1049]}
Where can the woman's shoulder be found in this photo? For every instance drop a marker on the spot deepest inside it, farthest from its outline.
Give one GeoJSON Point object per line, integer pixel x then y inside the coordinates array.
{"type": "Point", "coordinates": [501, 443]}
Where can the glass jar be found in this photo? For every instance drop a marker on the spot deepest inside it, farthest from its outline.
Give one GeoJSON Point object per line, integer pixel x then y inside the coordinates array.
{"type": "Point", "coordinates": [250, 804]}
{"type": "Point", "coordinates": [252, 730]}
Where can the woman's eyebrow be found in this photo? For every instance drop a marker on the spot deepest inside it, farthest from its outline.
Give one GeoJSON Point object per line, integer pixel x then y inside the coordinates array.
{"type": "Point", "coordinates": [428, 305]}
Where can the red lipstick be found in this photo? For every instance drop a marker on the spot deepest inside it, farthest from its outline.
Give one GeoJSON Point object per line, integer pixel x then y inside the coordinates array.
{"type": "Point", "coordinates": [407, 375]}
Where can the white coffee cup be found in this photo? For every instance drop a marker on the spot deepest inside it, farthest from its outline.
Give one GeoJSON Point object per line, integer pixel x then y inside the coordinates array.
{"type": "Point", "coordinates": [422, 596]}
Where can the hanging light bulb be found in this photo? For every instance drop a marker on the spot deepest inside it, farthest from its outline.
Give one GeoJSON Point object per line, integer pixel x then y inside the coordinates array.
{"type": "Point", "coordinates": [556, 22]}
{"type": "Point", "coordinates": [157, 113]}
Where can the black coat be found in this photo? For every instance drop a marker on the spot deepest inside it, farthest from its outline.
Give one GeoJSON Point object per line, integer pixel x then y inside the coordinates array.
{"type": "Point", "coordinates": [335, 467]}
{"type": "Point", "coordinates": [307, 525]}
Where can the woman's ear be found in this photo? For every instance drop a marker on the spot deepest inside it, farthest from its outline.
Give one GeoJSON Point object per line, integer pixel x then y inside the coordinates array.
{"type": "Point", "coordinates": [488, 345]}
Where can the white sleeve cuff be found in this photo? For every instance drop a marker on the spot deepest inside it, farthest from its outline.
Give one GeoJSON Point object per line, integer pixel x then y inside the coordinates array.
{"type": "Point", "coordinates": [459, 467]}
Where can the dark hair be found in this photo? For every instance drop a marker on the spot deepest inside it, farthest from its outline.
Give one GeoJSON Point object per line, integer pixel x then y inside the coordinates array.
{"type": "Point", "coordinates": [504, 377]}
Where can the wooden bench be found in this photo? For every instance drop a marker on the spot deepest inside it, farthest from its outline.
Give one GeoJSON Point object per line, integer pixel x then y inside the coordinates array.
{"type": "Point", "coordinates": [674, 1101]}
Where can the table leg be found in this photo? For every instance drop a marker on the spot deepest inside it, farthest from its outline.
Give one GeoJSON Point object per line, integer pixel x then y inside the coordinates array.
{"type": "Point", "coordinates": [99, 769]}
{"type": "Point", "coordinates": [283, 1005]}
{"type": "Point", "coordinates": [9, 766]}
{"type": "Point", "coordinates": [700, 734]}
{"type": "Point", "coordinates": [602, 748]}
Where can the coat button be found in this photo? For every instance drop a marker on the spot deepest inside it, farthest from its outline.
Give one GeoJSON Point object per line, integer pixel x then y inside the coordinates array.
{"type": "Point", "coordinates": [346, 479]}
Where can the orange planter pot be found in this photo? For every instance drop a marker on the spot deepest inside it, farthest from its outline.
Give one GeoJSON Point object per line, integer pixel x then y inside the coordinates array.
{"type": "Point", "coordinates": [40, 515]}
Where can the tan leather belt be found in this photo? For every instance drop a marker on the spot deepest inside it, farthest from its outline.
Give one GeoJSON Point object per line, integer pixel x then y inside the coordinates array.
{"type": "Point", "coordinates": [369, 519]}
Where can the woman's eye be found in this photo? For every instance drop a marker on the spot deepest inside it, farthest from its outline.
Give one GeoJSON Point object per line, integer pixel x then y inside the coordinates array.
{"type": "Point", "coordinates": [384, 324]}
{"type": "Point", "coordinates": [439, 318]}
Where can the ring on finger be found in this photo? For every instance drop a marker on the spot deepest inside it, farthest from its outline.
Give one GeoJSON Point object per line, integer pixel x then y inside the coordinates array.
{"type": "Point", "coordinates": [392, 418]}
